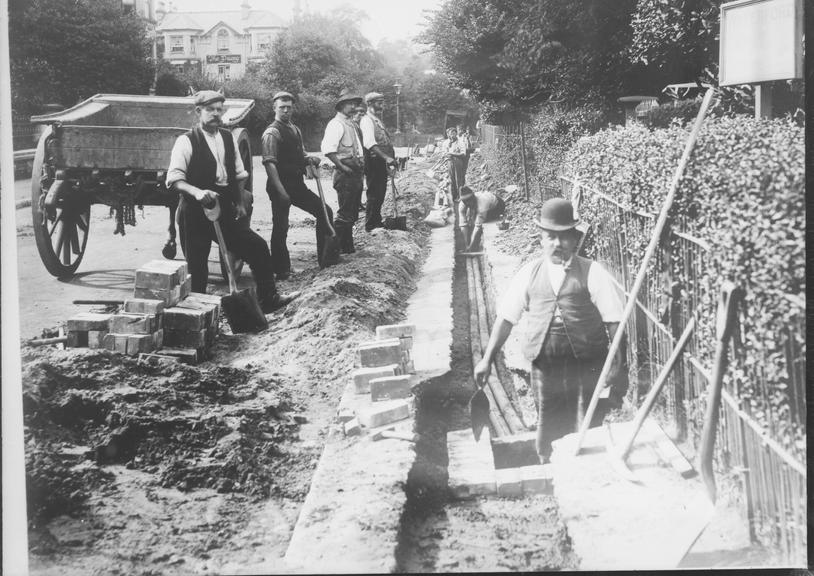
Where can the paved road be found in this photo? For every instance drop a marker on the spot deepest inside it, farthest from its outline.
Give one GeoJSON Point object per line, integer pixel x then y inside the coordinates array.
{"type": "Point", "coordinates": [107, 269]}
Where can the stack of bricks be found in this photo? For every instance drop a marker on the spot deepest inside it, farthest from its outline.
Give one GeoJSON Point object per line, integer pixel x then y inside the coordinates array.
{"type": "Point", "coordinates": [164, 280]}
{"type": "Point", "coordinates": [191, 326]}
{"type": "Point", "coordinates": [88, 329]}
{"type": "Point", "coordinates": [137, 328]}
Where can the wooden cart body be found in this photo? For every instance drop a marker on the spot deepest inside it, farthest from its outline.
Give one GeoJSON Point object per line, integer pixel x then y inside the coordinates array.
{"type": "Point", "coordinates": [111, 149]}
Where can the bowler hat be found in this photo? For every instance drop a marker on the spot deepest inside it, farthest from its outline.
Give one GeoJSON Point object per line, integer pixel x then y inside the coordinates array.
{"type": "Point", "coordinates": [557, 215]}
{"type": "Point", "coordinates": [347, 96]}
{"type": "Point", "coordinates": [283, 94]}
{"type": "Point", "coordinates": [370, 96]}
{"type": "Point", "coordinates": [207, 97]}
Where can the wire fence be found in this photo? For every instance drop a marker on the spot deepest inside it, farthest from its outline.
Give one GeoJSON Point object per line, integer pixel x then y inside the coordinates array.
{"type": "Point", "coordinates": [762, 451]}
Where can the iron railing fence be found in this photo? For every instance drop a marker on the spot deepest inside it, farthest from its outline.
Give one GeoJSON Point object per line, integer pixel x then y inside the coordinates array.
{"type": "Point", "coordinates": [761, 441]}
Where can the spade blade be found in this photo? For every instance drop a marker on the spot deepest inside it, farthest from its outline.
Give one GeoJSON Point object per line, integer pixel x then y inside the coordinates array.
{"type": "Point", "coordinates": [478, 412]}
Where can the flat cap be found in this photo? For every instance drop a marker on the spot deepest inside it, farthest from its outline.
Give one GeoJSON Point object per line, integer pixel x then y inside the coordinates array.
{"type": "Point", "coordinates": [283, 94]}
{"type": "Point", "coordinates": [370, 96]}
{"type": "Point", "coordinates": [206, 97]}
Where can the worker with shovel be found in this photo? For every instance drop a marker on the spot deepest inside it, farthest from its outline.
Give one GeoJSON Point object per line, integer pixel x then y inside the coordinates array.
{"type": "Point", "coordinates": [573, 311]}
{"type": "Point", "coordinates": [206, 170]}
{"type": "Point", "coordinates": [380, 158]}
{"type": "Point", "coordinates": [285, 160]}
{"type": "Point", "coordinates": [342, 146]}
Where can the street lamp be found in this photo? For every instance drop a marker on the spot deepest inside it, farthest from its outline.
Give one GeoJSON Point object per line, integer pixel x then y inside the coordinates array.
{"type": "Point", "coordinates": [397, 87]}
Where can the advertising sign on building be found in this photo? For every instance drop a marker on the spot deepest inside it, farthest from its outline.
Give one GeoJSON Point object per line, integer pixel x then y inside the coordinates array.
{"type": "Point", "coordinates": [761, 41]}
{"type": "Point", "coordinates": [223, 58]}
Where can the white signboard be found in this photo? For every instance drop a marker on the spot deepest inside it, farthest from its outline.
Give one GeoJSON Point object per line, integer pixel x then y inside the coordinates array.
{"type": "Point", "coordinates": [761, 41]}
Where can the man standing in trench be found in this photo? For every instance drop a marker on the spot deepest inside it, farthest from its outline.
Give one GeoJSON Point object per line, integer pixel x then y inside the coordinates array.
{"type": "Point", "coordinates": [204, 168]}
{"type": "Point", "coordinates": [285, 160]}
{"type": "Point", "coordinates": [380, 158]}
{"type": "Point", "coordinates": [455, 152]}
{"type": "Point", "coordinates": [342, 146]}
{"type": "Point", "coordinates": [573, 311]}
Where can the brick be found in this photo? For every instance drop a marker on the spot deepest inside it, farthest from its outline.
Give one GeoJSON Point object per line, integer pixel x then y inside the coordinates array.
{"type": "Point", "coordinates": [352, 427]}
{"type": "Point", "coordinates": [132, 323]}
{"type": "Point", "coordinates": [515, 450]}
{"type": "Point", "coordinates": [116, 342]}
{"type": "Point", "coordinates": [169, 297]}
{"type": "Point", "coordinates": [185, 319]}
{"type": "Point", "coordinates": [137, 343]}
{"type": "Point", "coordinates": [185, 339]}
{"type": "Point", "coordinates": [156, 280]}
{"type": "Point", "coordinates": [188, 355]}
{"type": "Point", "coordinates": [96, 338]}
{"type": "Point", "coordinates": [345, 414]}
{"type": "Point", "coordinates": [143, 306]}
{"type": "Point", "coordinates": [158, 338]}
{"type": "Point", "coordinates": [177, 267]}
{"type": "Point", "coordinates": [471, 483]}
{"type": "Point", "coordinates": [380, 353]}
{"type": "Point", "coordinates": [382, 413]}
{"type": "Point", "coordinates": [202, 297]}
{"type": "Point", "coordinates": [77, 339]}
{"type": "Point", "coordinates": [363, 376]}
{"type": "Point", "coordinates": [395, 331]}
{"type": "Point", "coordinates": [211, 311]}
{"type": "Point", "coordinates": [85, 321]}
{"type": "Point", "coordinates": [390, 388]}
{"type": "Point", "coordinates": [509, 483]}
{"type": "Point", "coordinates": [537, 479]}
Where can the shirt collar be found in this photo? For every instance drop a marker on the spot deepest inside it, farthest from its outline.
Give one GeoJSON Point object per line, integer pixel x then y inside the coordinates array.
{"type": "Point", "coordinates": [342, 116]}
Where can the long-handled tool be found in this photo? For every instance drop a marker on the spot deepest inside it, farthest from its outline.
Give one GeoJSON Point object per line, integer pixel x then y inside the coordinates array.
{"type": "Point", "coordinates": [330, 252]}
{"type": "Point", "coordinates": [395, 222]}
{"type": "Point", "coordinates": [241, 308]}
{"type": "Point", "coordinates": [618, 454]}
{"type": "Point", "coordinates": [642, 273]}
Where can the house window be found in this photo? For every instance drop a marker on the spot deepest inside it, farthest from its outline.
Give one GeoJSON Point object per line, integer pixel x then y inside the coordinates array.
{"type": "Point", "coordinates": [176, 44]}
{"type": "Point", "coordinates": [179, 68]}
{"type": "Point", "coordinates": [263, 42]}
{"type": "Point", "coordinates": [192, 45]}
{"type": "Point", "coordinates": [223, 73]}
{"type": "Point", "coordinates": [223, 40]}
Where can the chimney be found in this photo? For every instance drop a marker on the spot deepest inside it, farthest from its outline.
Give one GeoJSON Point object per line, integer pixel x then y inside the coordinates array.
{"type": "Point", "coordinates": [159, 10]}
{"type": "Point", "coordinates": [244, 10]}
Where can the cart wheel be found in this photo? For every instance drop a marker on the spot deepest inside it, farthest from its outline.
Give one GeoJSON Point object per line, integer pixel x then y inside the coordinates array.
{"type": "Point", "coordinates": [62, 233]}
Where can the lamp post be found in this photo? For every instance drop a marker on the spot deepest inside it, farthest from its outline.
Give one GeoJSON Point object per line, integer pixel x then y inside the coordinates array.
{"type": "Point", "coordinates": [397, 87]}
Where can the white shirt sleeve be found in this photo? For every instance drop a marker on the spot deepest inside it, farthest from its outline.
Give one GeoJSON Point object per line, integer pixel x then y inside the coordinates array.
{"type": "Point", "coordinates": [368, 132]}
{"type": "Point", "coordinates": [179, 160]}
{"type": "Point", "coordinates": [240, 169]}
{"type": "Point", "coordinates": [515, 301]}
{"type": "Point", "coordinates": [604, 293]}
{"type": "Point", "coordinates": [333, 135]}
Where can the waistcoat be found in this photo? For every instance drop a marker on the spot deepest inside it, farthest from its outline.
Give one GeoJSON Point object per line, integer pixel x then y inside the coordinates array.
{"type": "Point", "coordinates": [202, 169]}
{"type": "Point", "coordinates": [582, 320]}
{"type": "Point", "coordinates": [290, 153]}
{"type": "Point", "coordinates": [347, 145]}
{"type": "Point", "coordinates": [382, 136]}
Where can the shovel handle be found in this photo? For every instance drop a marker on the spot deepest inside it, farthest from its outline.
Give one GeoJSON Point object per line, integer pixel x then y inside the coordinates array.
{"type": "Point", "coordinates": [395, 196]}
{"type": "Point", "coordinates": [224, 253]}
{"type": "Point", "coordinates": [322, 201]}
{"type": "Point", "coordinates": [100, 302]}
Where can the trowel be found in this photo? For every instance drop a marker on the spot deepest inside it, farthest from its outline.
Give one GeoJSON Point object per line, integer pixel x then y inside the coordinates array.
{"type": "Point", "coordinates": [478, 412]}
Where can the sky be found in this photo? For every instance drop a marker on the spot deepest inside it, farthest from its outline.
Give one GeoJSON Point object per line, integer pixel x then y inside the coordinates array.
{"type": "Point", "coordinates": [391, 19]}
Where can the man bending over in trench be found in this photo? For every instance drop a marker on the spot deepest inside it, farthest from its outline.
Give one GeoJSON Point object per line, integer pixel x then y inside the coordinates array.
{"type": "Point", "coordinates": [573, 311]}
{"type": "Point", "coordinates": [474, 209]}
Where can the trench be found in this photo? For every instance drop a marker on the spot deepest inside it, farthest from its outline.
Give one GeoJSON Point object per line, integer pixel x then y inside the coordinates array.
{"type": "Point", "coordinates": [439, 533]}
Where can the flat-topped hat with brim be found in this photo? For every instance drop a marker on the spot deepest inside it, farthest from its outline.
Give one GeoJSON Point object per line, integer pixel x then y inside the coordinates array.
{"type": "Point", "coordinates": [207, 97]}
{"type": "Point", "coordinates": [557, 215]}
{"type": "Point", "coordinates": [347, 96]}
{"type": "Point", "coordinates": [283, 94]}
{"type": "Point", "coordinates": [371, 96]}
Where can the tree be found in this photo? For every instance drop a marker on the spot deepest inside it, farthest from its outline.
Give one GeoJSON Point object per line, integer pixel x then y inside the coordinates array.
{"type": "Point", "coordinates": [64, 51]}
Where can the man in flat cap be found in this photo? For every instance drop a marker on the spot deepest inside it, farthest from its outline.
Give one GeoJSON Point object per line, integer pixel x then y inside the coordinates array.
{"type": "Point", "coordinates": [573, 310]}
{"type": "Point", "coordinates": [342, 146]}
{"type": "Point", "coordinates": [285, 160]}
{"type": "Point", "coordinates": [206, 167]}
{"type": "Point", "coordinates": [380, 158]}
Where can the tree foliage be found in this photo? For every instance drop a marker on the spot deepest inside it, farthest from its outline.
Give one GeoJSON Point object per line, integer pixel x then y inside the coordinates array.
{"type": "Point", "coordinates": [64, 51]}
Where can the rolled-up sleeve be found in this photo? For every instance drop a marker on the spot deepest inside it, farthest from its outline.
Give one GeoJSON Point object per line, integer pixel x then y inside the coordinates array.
{"type": "Point", "coordinates": [332, 137]}
{"type": "Point", "coordinates": [368, 132]}
{"type": "Point", "coordinates": [240, 169]}
{"type": "Point", "coordinates": [515, 300]}
{"type": "Point", "coordinates": [604, 293]}
{"type": "Point", "coordinates": [270, 145]}
{"type": "Point", "coordinates": [179, 161]}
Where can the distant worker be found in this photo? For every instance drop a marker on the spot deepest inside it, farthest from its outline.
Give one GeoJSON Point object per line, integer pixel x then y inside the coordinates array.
{"type": "Point", "coordinates": [573, 311]}
{"type": "Point", "coordinates": [285, 160]}
{"type": "Point", "coordinates": [455, 153]}
{"type": "Point", "coordinates": [342, 146]}
{"type": "Point", "coordinates": [380, 156]}
{"type": "Point", "coordinates": [205, 167]}
{"type": "Point", "coordinates": [358, 113]}
{"type": "Point", "coordinates": [474, 209]}
{"type": "Point", "coordinates": [466, 142]}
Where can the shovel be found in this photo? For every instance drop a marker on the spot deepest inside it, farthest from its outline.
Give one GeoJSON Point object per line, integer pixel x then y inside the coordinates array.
{"type": "Point", "coordinates": [478, 412]}
{"type": "Point", "coordinates": [241, 308]}
{"type": "Point", "coordinates": [395, 222]}
{"type": "Point", "coordinates": [330, 252]}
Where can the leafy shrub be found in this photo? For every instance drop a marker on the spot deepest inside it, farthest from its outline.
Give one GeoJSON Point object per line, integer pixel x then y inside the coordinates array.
{"type": "Point", "coordinates": [679, 112]}
{"type": "Point", "coordinates": [743, 194]}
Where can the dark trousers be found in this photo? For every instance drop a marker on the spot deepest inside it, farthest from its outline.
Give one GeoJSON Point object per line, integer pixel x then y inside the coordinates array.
{"type": "Point", "coordinates": [457, 175]}
{"type": "Point", "coordinates": [376, 190]}
{"type": "Point", "coordinates": [302, 198]}
{"type": "Point", "coordinates": [349, 193]}
{"type": "Point", "coordinates": [197, 234]}
{"type": "Point", "coordinates": [558, 381]}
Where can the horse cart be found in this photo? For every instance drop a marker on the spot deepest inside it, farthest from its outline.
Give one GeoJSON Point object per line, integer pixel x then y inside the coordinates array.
{"type": "Point", "coordinates": [111, 149]}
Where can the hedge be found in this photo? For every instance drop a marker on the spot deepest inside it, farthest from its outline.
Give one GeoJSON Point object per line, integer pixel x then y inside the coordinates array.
{"type": "Point", "coordinates": [743, 193]}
